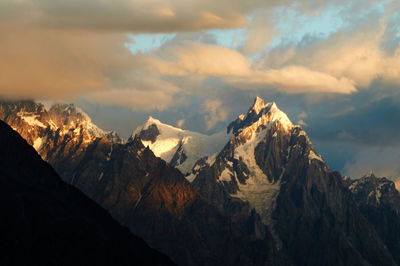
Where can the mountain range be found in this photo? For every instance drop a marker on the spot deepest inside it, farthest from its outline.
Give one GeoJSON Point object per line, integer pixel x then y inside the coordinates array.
{"type": "Point", "coordinates": [256, 194]}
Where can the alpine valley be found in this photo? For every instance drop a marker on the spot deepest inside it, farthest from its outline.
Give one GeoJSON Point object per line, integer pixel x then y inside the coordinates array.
{"type": "Point", "coordinates": [257, 193]}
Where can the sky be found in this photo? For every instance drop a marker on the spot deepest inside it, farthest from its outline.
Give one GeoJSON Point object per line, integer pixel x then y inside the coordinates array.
{"type": "Point", "coordinates": [332, 66]}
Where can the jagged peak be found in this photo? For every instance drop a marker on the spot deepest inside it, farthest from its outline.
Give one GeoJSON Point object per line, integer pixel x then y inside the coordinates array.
{"type": "Point", "coordinates": [258, 105]}
{"type": "Point", "coordinates": [370, 173]}
{"type": "Point", "coordinates": [260, 114]}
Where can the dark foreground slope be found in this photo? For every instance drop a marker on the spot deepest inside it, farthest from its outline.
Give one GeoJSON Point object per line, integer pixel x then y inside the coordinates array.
{"type": "Point", "coordinates": [44, 221]}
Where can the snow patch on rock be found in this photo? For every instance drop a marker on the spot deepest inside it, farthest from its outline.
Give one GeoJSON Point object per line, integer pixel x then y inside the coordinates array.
{"type": "Point", "coordinates": [313, 156]}
{"type": "Point", "coordinates": [31, 119]}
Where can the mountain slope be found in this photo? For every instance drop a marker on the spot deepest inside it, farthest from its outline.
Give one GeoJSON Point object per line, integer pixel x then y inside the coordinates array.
{"type": "Point", "coordinates": [47, 222]}
{"type": "Point", "coordinates": [60, 134]}
{"type": "Point", "coordinates": [271, 164]}
{"type": "Point", "coordinates": [156, 202]}
{"type": "Point", "coordinates": [379, 201]}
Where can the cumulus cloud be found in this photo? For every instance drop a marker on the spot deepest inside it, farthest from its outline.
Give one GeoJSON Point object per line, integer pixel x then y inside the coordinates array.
{"type": "Point", "coordinates": [139, 91]}
{"type": "Point", "coordinates": [202, 59]}
{"type": "Point", "coordinates": [296, 79]}
{"type": "Point", "coordinates": [214, 111]}
{"type": "Point", "coordinates": [357, 55]}
{"type": "Point", "coordinates": [260, 32]}
{"type": "Point", "coordinates": [235, 69]}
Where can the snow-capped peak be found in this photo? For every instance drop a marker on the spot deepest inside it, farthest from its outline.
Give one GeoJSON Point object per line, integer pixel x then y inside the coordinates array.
{"type": "Point", "coordinates": [68, 116]}
{"type": "Point", "coordinates": [260, 114]}
{"type": "Point", "coordinates": [153, 121]}
{"type": "Point", "coordinates": [182, 148]}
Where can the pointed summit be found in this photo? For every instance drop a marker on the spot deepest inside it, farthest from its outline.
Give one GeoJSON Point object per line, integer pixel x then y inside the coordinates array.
{"type": "Point", "coordinates": [260, 114]}
{"type": "Point", "coordinates": [258, 105]}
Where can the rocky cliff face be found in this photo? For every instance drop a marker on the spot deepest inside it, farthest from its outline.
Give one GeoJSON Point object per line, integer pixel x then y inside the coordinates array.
{"type": "Point", "coordinates": [379, 201]}
{"type": "Point", "coordinates": [271, 164]}
{"type": "Point", "coordinates": [60, 134]}
{"type": "Point", "coordinates": [47, 222]}
{"type": "Point", "coordinates": [156, 202]}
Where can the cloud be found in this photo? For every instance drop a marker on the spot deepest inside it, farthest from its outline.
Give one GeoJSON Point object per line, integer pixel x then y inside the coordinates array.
{"type": "Point", "coordinates": [355, 53]}
{"type": "Point", "coordinates": [302, 123]}
{"type": "Point", "coordinates": [303, 115]}
{"type": "Point", "coordinates": [260, 32]}
{"type": "Point", "coordinates": [214, 111]}
{"type": "Point", "coordinates": [147, 94]}
{"type": "Point", "coordinates": [63, 49]}
{"type": "Point", "coordinates": [63, 65]}
{"type": "Point", "coordinates": [49, 64]}
{"type": "Point", "coordinates": [236, 70]}
{"type": "Point", "coordinates": [126, 15]}
{"type": "Point", "coordinates": [383, 163]}
{"type": "Point", "coordinates": [368, 118]}
{"type": "Point", "coordinates": [138, 16]}
{"type": "Point", "coordinates": [295, 79]}
{"type": "Point", "coordinates": [202, 59]}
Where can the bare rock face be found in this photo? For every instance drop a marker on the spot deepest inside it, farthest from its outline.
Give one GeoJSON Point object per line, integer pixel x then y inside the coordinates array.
{"type": "Point", "coordinates": [60, 135]}
{"type": "Point", "coordinates": [272, 166]}
{"type": "Point", "coordinates": [379, 201]}
{"type": "Point", "coordinates": [150, 134]}
{"type": "Point", "coordinates": [48, 222]}
{"type": "Point", "coordinates": [156, 202]}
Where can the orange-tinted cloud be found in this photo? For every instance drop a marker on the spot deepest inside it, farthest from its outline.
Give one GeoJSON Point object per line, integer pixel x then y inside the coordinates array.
{"type": "Point", "coordinates": [295, 79]}
{"type": "Point", "coordinates": [38, 63]}
{"type": "Point", "coordinates": [201, 59]}
{"type": "Point", "coordinates": [357, 56]}
{"type": "Point", "coordinates": [126, 15]}
{"type": "Point", "coordinates": [145, 94]}
{"type": "Point", "coordinates": [233, 68]}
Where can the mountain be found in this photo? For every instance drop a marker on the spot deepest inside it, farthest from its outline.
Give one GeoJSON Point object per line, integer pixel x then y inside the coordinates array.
{"type": "Point", "coordinates": [156, 202]}
{"type": "Point", "coordinates": [47, 222]}
{"type": "Point", "coordinates": [60, 134]}
{"type": "Point", "coordinates": [266, 197]}
{"type": "Point", "coordinates": [148, 195]}
{"type": "Point", "coordinates": [181, 148]}
{"type": "Point", "coordinates": [379, 201]}
{"type": "Point", "coordinates": [272, 165]}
